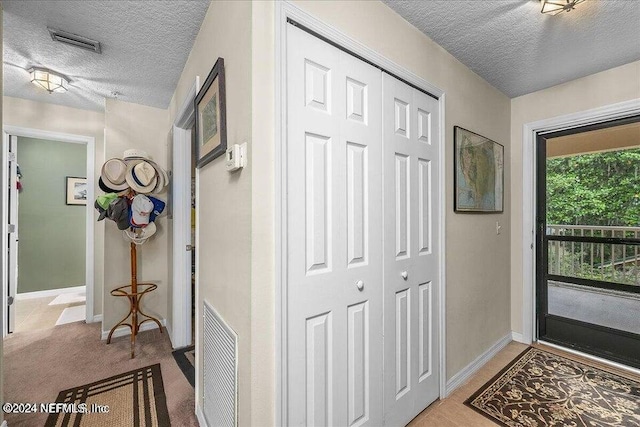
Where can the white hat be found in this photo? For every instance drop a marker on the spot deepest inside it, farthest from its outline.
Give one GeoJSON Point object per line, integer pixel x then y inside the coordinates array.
{"type": "Point", "coordinates": [113, 174]}
{"type": "Point", "coordinates": [140, 235]}
{"type": "Point", "coordinates": [134, 153]}
{"type": "Point", "coordinates": [141, 208]}
{"type": "Point", "coordinates": [141, 176]}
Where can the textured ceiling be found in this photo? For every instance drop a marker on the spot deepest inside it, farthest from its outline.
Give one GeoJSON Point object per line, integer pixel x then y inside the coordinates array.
{"type": "Point", "coordinates": [518, 49]}
{"type": "Point", "coordinates": [145, 45]}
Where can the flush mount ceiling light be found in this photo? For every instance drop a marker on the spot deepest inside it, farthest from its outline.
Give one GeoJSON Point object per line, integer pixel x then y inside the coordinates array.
{"type": "Point", "coordinates": [47, 79]}
{"type": "Point", "coordinates": [555, 7]}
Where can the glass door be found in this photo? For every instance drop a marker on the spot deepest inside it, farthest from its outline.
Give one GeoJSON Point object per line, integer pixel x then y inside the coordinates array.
{"type": "Point", "coordinates": [588, 239]}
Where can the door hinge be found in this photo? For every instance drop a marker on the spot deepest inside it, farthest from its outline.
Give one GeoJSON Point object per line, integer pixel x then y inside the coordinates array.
{"type": "Point", "coordinates": [190, 247]}
{"type": "Point", "coordinates": [10, 300]}
{"type": "Point", "coordinates": [12, 156]}
{"type": "Point", "coordinates": [12, 228]}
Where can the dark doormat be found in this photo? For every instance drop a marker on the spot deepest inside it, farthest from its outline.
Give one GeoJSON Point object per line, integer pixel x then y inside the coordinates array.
{"type": "Point", "coordinates": [186, 360]}
{"type": "Point", "coordinates": [134, 398]}
{"type": "Point", "coordinates": [543, 389]}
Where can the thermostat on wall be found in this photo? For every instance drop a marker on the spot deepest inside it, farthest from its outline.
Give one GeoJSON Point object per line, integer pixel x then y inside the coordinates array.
{"type": "Point", "coordinates": [236, 156]}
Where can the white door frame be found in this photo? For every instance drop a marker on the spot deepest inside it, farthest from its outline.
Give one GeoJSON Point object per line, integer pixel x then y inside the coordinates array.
{"type": "Point", "coordinates": [180, 327]}
{"type": "Point", "coordinates": [529, 133]}
{"type": "Point", "coordinates": [283, 11]}
{"type": "Point", "coordinates": [89, 215]}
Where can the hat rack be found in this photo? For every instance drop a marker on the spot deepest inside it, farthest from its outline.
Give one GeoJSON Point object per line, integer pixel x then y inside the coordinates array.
{"type": "Point", "coordinates": [123, 185]}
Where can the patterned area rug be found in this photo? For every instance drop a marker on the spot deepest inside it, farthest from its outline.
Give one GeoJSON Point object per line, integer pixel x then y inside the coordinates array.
{"type": "Point", "coordinates": [543, 389]}
{"type": "Point", "coordinates": [133, 399]}
{"type": "Point", "coordinates": [186, 360]}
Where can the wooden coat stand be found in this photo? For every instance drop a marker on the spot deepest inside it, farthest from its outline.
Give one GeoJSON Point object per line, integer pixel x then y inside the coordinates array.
{"type": "Point", "coordinates": [134, 292]}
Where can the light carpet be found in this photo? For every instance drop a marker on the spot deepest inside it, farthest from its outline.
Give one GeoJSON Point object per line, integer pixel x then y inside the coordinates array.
{"type": "Point", "coordinates": [38, 364]}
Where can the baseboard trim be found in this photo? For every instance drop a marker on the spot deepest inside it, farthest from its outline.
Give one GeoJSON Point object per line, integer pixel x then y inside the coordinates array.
{"type": "Point", "coordinates": [124, 330]}
{"type": "Point", "coordinates": [200, 417]}
{"type": "Point", "coordinates": [169, 331]}
{"type": "Point", "coordinates": [50, 292]}
{"type": "Point", "coordinates": [465, 373]}
{"type": "Point", "coordinates": [517, 337]}
{"type": "Point", "coordinates": [97, 318]}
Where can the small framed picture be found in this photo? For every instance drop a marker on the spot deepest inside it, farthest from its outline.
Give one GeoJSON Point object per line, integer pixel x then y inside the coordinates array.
{"type": "Point", "coordinates": [210, 109]}
{"type": "Point", "coordinates": [478, 178]}
{"type": "Point", "coordinates": [76, 191]}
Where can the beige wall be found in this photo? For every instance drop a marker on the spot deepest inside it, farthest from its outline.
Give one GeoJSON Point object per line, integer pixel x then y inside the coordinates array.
{"type": "Point", "coordinates": [135, 126]}
{"type": "Point", "coordinates": [477, 260]}
{"type": "Point", "coordinates": [597, 90]}
{"type": "Point", "coordinates": [224, 200]}
{"type": "Point", "coordinates": [262, 218]}
{"type": "Point", "coordinates": [56, 118]}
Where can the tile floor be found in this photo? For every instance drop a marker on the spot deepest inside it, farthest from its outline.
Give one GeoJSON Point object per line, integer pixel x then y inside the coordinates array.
{"type": "Point", "coordinates": [36, 313]}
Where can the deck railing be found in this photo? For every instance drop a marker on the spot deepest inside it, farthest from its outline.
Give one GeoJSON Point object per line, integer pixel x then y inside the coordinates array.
{"type": "Point", "coordinates": [609, 262]}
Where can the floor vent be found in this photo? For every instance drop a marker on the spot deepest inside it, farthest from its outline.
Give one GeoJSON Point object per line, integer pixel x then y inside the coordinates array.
{"type": "Point", "coordinates": [220, 367]}
{"type": "Point", "coordinates": [75, 40]}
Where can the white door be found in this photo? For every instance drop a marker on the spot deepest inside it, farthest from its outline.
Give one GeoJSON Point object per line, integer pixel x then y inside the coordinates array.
{"type": "Point", "coordinates": [411, 287]}
{"type": "Point", "coordinates": [12, 230]}
{"type": "Point", "coordinates": [334, 187]}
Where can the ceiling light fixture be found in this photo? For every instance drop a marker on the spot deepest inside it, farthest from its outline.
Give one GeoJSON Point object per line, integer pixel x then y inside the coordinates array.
{"type": "Point", "coordinates": [555, 7]}
{"type": "Point", "coordinates": [47, 79]}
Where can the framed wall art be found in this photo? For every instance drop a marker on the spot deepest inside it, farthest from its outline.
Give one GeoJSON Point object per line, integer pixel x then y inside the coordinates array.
{"type": "Point", "coordinates": [210, 109]}
{"type": "Point", "coordinates": [478, 173]}
{"type": "Point", "coordinates": [76, 191]}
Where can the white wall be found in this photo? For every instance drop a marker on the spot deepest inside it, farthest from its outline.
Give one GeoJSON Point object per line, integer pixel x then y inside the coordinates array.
{"type": "Point", "coordinates": [135, 126]}
{"type": "Point", "coordinates": [597, 90]}
{"type": "Point", "coordinates": [56, 118]}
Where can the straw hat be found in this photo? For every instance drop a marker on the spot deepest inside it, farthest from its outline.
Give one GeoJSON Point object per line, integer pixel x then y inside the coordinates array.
{"type": "Point", "coordinates": [141, 176]}
{"type": "Point", "coordinates": [113, 174]}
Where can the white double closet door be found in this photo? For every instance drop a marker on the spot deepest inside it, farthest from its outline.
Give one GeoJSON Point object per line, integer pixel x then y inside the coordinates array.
{"type": "Point", "coordinates": [362, 266]}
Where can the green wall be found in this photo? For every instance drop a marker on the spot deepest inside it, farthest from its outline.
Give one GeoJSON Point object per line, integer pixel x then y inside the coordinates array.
{"type": "Point", "coordinates": [51, 250]}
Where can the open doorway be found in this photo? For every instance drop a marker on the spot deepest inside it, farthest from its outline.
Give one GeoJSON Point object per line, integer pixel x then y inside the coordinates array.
{"type": "Point", "coordinates": [183, 200]}
{"type": "Point", "coordinates": [588, 239]}
{"type": "Point", "coordinates": [50, 199]}
{"type": "Point", "coordinates": [48, 229]}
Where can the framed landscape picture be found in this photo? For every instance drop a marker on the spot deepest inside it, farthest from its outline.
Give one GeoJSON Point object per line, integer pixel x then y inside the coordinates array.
{"type": "Point", "coordinates": [76, 191]}
{"type": "Point", "coordinates": [478, 173]}
{"type": "Point", "coordinates": [210, 108]}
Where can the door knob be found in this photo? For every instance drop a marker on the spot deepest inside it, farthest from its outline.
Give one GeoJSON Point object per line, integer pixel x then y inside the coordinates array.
{"type": "Point", "coordinates": [404, 275]}
{"type": "Point", "coordinates": [360, 285]}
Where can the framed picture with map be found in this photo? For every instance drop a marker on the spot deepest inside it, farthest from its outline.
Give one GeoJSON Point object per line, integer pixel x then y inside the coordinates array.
{"type": "Point", "coordinates": [210, 123]}
{"type": "Point", "coordinates": [478, 178]}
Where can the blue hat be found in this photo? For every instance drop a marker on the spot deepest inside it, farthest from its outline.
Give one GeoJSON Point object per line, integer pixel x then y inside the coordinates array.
{"type": "Point", "coordinates": [158, 207]}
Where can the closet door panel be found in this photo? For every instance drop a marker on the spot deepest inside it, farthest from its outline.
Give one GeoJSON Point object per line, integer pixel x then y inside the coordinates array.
{"type": "Point", "coordinates": [410, 162]}
{"type": "Point", "coordinates": [334, 211]}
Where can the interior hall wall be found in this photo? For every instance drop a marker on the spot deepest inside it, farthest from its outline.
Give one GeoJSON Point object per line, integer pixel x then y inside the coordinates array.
{"type": "Point", "coordinates": [597, 90]}
{"type": "Point", "coordinates": [477, 259]}
{"type": "Point", "coordinates": [129, 126]}
{"type": "Point", "coordinates": [223, 246]}
{"type": "Point", "coordinates": [55, 118]}
{"type": "Point", "coordinates": [51, 252]}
